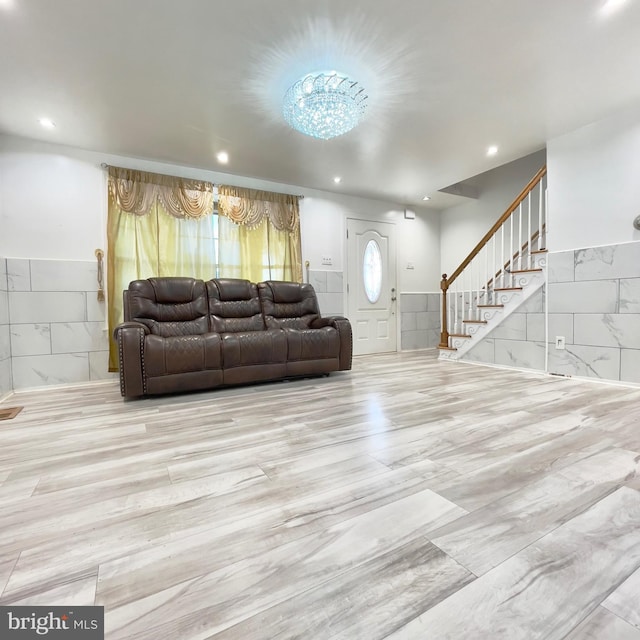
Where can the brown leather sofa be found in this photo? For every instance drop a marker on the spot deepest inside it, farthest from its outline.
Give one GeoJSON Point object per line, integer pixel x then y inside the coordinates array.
{"type": "Point", "coordinates": [183, 334]}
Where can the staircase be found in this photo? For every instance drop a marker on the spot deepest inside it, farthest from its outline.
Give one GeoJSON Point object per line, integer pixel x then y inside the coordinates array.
{"type": "Point", "coordinates": [504, 269]}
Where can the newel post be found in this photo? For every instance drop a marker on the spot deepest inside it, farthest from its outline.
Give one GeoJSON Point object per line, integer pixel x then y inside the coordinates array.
{"type": "Point", "coordinates": [444, 333]}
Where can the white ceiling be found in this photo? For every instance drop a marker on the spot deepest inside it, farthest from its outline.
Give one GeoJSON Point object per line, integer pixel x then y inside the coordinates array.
{"type": "Point", "coordinates": [179, 80]}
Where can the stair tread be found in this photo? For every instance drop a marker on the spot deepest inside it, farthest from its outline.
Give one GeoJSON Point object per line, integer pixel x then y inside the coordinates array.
{"type": "Point", "coordinates": [508, 289]}
{"type": "Point", "coordinates": [539, 251]}
{"type": "Point", "coordinates": [525, 270]}
{"type": "Point", "coordinates": [447, 348]}
{"type": "Point", "coordinates": [490, 306]}
{"type": "Point", "coordinates": [459, 335]}
{"type": "Point", "coordinates": [475, 321]}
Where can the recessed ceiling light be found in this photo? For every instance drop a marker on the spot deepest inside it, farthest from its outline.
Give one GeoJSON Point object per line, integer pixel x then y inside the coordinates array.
{"type": "Point", "coordinates": [47, 123]}
{"type": "Point", "coordinates": [337, 179]}
{"type": "Point", "coordinates": [610, 6]}
{"type": "Point", "coordinates": [223, 157]}
{"type": "Point", "coordinates": [492, 150]}
{"type": "Point", "coordinates": [427, 198]}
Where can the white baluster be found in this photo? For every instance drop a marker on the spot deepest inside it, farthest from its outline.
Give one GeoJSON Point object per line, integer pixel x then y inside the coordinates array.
{"type": "Point", "coordinates": [479, 284]}
{"type": "Point", "coordinates": [470, 307]}
{"type": "Point", "coordinates": [463, 311]}
{"type": "Point", "coordinates": [502, 253]}
{"type": "Point", "coordinates": [529, 239]}
{"type": "Point", "coordinates": [519, 245]}
{"type": "Point", "coordinates": [546, 215]}
{"type": "Point", "coordinates": [493, 269]}
{"type": "Point", "coordinates": [511, 230]}
{"type": "Point", "coordinates": [467, 293]}
{"type": "Point", "coordinates": [455, 307]}
{"type": "Point", "coordinates": [540, 218]}
{"type": "Point", "coordinates": [470, 289]}
{"type": "Point", "coordinates": [486, 274]}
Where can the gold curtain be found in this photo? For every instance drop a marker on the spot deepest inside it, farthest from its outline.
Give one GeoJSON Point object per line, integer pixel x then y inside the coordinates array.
{"type": "Point", "coordinates": [259, 235]}
{"type": "Point", "coordinates": [157, 226]}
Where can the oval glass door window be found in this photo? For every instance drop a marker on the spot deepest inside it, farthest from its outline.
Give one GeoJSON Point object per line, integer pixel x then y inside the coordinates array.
{"type": "Point", "coordinates": [372, 271]}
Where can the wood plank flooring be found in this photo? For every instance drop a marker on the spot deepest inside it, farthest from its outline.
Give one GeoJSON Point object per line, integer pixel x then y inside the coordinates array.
{"type": "Point", "coordinates": [406, 499]}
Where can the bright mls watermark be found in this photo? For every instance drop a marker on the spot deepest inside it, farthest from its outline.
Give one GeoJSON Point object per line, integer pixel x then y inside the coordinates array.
{"type": "Point", "coordinates": [68, 623]}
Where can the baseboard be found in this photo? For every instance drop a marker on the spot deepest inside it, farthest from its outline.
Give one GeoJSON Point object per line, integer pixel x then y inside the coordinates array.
{"type": "Point", "coordinates": [611, 383]}
{"type": "Point", "coordinates": [68, 385]}
{"type": "Point", "coordinates": [539, 372]}
{"type": "Point", "coordinates": [6, 396]}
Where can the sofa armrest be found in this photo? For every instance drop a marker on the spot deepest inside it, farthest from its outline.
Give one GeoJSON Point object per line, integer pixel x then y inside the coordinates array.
{"type": "Point", "coordinates": [130, 338]}
{"type": "Point", "coordinates": [343, 327]}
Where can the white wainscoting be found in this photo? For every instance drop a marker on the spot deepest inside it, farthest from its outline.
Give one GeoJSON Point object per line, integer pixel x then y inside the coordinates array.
{"type": "Point", "coordinates": [594, 302]}
{"type": "Point", "coordinates": [6, 384]}
{"type": "Point", "coordinates": [56, 325]}
{"type": "Point", "coordinates": [419, 320]}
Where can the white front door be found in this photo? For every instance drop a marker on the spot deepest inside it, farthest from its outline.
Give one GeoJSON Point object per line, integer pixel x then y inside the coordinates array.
{"type": "Point", "coordinates": [371, 285]}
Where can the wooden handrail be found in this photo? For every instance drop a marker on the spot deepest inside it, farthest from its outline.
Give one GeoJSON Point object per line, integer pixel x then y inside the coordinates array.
{"type": "Point", "coordinates": [501, 220]}
{"type": "Point", "coordinates": [446, 282]}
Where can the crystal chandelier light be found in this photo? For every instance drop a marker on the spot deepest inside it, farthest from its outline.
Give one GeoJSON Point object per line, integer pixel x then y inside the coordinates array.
{"type": "Point", "coordinates": [324, 105]}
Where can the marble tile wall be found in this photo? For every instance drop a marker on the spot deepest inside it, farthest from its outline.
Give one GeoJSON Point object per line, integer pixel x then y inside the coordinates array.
{"type": "Point", "coordinates": [329, 287]}
{"type": "Point", "coordinates": [57, 327]}
{"type": "Point", "coordinates": [6, 385]}
{"type": "Point", "coordinates": [420, 320]}
{"type": "Point", "coordinates": [594, 302]}
{"type": "Point", "coordinates": [519, 341]}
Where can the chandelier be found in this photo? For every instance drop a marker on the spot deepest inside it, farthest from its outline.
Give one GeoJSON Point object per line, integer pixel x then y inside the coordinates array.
{"type": "Point", "coordinates": [324, 105]}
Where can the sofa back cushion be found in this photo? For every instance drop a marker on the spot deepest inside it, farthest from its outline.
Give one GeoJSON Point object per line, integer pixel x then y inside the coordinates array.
{"type": "Point", "coordinates": [168, 306]}
{"type": "Point", "coordinates": [288, 305]}
{"type": "Point", "coordinates": [234, 306]}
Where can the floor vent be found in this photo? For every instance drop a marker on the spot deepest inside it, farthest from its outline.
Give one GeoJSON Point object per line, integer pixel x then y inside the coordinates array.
{"type": "Point", "coordinates": [10, 412]}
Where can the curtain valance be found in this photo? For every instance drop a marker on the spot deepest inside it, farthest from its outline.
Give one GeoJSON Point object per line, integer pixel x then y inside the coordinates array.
{"type": "Point", "coordinates": [250, 207]}
{"type": "Point", "coordinates": [137, 191]}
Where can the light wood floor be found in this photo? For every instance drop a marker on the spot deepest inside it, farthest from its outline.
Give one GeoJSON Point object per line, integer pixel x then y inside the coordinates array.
{"type": "Point", "coordinates": [408, 498]}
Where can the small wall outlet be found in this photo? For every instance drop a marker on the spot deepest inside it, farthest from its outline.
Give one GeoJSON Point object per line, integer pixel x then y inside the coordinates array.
{"type": "Point", "coordinates": [410, 265]}
{"type": "Point", "coordinates": [560, 342]}
{"type": "Point", "coordinates": [326, 260]}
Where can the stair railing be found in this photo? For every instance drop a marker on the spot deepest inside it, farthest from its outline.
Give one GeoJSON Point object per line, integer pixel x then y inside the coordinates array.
{"type": "Point", "coordinates": [506, 250]}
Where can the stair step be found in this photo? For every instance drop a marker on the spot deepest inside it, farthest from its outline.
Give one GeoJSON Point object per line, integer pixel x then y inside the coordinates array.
{"type": "Point", "coordinates": [525, 270]}
{"type": "Point", "coordinates": [474, 321]}
{"type": "Point", "coordinates": [447, 348]}
{"type": "Point", "coordinates": [539, 251]}
{"type": "Point", "coordinates": [490, 306]}
{"type": "Point", "coordinates": [459, 335]}
{"type": "Point", "coordinates": [508, 289]}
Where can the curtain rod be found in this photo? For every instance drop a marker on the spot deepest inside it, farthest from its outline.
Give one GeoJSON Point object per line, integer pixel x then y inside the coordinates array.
{"type": "Point", "coordinates": [104, 165]}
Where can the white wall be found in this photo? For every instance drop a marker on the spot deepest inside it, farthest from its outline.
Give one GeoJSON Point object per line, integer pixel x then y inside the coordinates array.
{"type": "Point", "coordinates": [324, 223]}
{"type": "Point", "coordinates": [594, 184]}
{"type": "Point", "coordinates": [462, 226]}
{"type": "Point", "coordinates": [53, 206]}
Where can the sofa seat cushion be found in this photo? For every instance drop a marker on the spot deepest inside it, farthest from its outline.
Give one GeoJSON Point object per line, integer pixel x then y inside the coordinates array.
{"type": "Point", "coordinates": [312, 344]}
{"type": "Point", "coordinates": [182, 354]}
{"type": "Point", "coordinates": [253, 347]}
